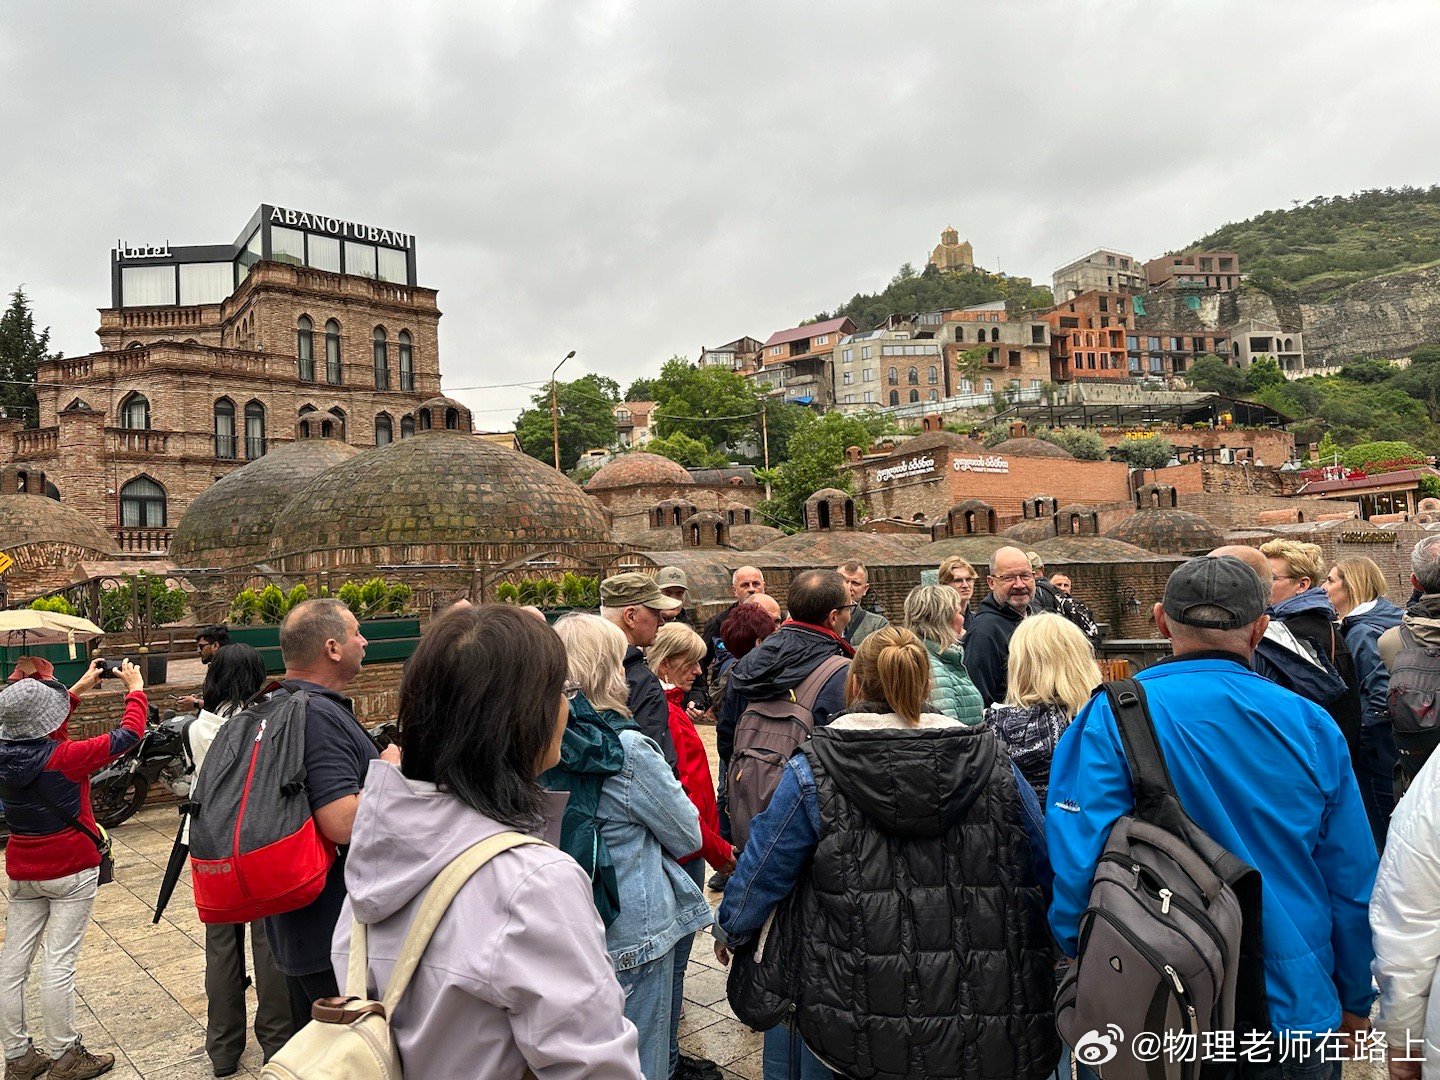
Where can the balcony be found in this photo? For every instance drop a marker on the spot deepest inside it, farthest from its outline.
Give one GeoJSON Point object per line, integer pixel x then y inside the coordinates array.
{"type": "Point", "coordinates": [36, 442]}
{"type": "Point", "coordinates": [138, 441]}
{"type": "Point", "coordinates": [143, 541]}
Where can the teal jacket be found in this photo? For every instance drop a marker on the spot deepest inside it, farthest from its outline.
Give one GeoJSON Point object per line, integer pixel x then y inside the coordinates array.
{"type": "Point", "coordinates": [953, 693]}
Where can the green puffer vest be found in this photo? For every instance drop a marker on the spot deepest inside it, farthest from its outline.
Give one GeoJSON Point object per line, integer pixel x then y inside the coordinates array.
{"type": "Point", "coordinates": [953, 694]}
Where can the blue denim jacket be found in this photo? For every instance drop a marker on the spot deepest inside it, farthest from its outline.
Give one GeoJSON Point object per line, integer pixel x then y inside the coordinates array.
{"type": "Point", "coordinates": [648, 822]}
{"type": "Point", "coordinates": [785, 835]}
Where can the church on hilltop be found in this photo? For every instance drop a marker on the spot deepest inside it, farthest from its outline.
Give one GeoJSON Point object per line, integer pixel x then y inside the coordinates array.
{"type": "Point", "coordinates": [953, 254]}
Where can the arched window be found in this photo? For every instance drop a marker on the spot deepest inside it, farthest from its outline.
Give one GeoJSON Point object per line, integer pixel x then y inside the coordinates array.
{"type": "Point", "coordinates": [934, 375]}
{"type": "Point", "coordinates": [994, 333]}
{"type": "Point", "coordinates": [407, 362]}
{"type": "Point", "coordinates": [339, 415]}
{"type": "Point", "coordinates": [894, 397]}
{"type": "Point", "coordinates": [934, 395]}
{"type": "Point", "coordinates": [332, 353]}
{"type": "Point", "coordinates": [303, 427]}
{"type": "Point", "coordinates": [382, 360]}
{"type": "Point", "coordinates": [893, 377]}
{"type": "Point", "coordinates": [452, 420]}
{"type": "Point", "coordinates": [254, 430]}
{"type": "Point", "coordinates": [305, 348]}
{"type": "Point", "coordinates": [225, 429]}
{"type": "Point", "coordinates": [142, 504]}
{"type": "Point", "coordinates": [135, 412]}
{"type": "Point", "coordinates": [407, 426]}
{"type": "Point", "coordinates": [959, 332]}
{"type": "Point", "coordinates": [424, 419]}
{"type": "Point", "coordinates": [384, 430]}
{"type": "Point", "coordinates": [913, 376]}
{"type": "Point", "coordinates": [914, 396]}
{"type": "Point", "coordinates": [327, 429]}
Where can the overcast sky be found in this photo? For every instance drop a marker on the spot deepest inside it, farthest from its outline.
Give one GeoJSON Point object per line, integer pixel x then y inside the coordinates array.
{"type": "Point", "coordinates": [636, 180]}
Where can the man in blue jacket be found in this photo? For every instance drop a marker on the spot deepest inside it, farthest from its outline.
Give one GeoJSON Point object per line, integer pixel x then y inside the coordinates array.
{"type": "Point", "coordinates": [1263, 771]}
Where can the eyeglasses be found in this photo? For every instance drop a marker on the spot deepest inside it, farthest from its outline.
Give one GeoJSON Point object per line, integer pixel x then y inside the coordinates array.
{"type": "Point", "coordinates": [1013, 579]}
{"type": "Point", "coordinates": [962, 581]}
{"type": "Point", "coordinates": [570, 690]}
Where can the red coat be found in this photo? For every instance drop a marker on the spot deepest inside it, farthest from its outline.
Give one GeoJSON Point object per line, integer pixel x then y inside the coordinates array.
{"type": "Point", "coordinates": [693, 764]}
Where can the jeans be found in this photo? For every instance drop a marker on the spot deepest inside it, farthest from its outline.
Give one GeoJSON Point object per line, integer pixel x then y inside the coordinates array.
{"type": "Point", "coordinates": [1375, 772]}
{"type": "Point", "coordinates": [696, 869]}
{"type": "Point", "coordinates": [648, 989]}
{"type": "Point", "coordinates": [305, 990]}
{"type": "Point", "coordinates": [786, 1057]}
{"type": "Point", "coordinates": [60, 910]}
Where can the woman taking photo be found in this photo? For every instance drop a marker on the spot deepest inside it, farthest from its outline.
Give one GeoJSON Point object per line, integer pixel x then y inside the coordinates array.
{"type": "Point", "coordinates": [235, 675]}
{"type": "Point", "coordinates": [516, 976]}
{"type": "Point", "coordinates": [1356, 588]}
{"type": "Point", "coordinates": [646, 823]}
{"type": "Point", "coordinates": [901, 849]}
{"type": "Point", "coordinates": [1052, 673]}
{"type": "Point", "coordinates": [936, 615]}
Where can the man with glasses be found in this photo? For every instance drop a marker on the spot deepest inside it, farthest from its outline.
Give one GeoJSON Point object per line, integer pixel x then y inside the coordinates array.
{"type": "Point", "coordinates": [960, 576]}
{"type": "Point", "coordinates": [989, 629]}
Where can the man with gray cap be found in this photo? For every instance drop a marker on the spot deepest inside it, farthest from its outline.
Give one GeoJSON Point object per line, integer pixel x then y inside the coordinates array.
{"type": "Point", "coordinates": [635, 604]}
{"type": "Point", "coordinates": [1262, 771]}
{"type": "Point", "coordinates": [52, 860]}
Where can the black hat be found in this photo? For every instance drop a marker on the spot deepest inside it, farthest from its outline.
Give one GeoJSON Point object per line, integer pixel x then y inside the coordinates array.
{"type": "Point", "coordinates": [1222, 582]}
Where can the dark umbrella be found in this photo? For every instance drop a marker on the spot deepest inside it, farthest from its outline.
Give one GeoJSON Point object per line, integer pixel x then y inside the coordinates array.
{"type": "Point", "coordinates": [178, 855]}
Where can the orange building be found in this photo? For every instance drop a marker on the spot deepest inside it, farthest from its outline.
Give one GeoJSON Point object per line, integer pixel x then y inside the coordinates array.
{"type": "Point", "coordinates": [1087, 336]}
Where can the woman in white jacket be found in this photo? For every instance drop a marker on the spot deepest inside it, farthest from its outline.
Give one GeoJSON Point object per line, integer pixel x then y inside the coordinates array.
{"type": "Point", "coordinates": [234, 676]}
{"type": "Point", "coordinates": [1405, 921]}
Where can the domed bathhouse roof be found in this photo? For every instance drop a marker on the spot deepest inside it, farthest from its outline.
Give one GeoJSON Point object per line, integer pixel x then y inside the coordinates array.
{"type": "Point", "coordinates": [750, 537]}
{"type": "Point", "coordinates": [438, 498]}
{"type": "Point", "coordinates": [1028, 447]}
{"type": "Point", "coordinates": [443, 413]}
{"type": "Point", "coordinates": [831, 547]}
{"type": "Point", "coordinates": [639, 468]}
{"type": "Point", "coordinates": [229, 524]}
{"type": "Point", "coordinates": [1030, 532]}
{"type": "Point", "coordinates": [38, 519]}
{"type": "Point", "coordinates": [975, 549]}
{"type": "Point", "coordinates": [1093, 549]}
{"type": "Point", "coordinates": [1168, 532]}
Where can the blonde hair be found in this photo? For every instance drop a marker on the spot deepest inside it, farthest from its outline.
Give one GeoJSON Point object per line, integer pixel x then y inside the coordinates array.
{"type": "Point", "coordinates": [1364, 581]}
{"type": "Point", "coordinates": [1051, 663]}
{"type": "Point", "coordinates": [595, 659]}
{"type": "Point", "coordinates": [929, 610]}
{"type": "Point", "coordinates": [950, 565]}
{"type": "Point", "coordinates": [1300, 559]}
{"type": "Point", "coordinates": [675, 641]}
{"type": "Point", "coordinates": [892, 667]}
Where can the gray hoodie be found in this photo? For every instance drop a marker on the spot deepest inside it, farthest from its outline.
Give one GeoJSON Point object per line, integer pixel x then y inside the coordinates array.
{"type": "Point", "coordinates": [517, 972]}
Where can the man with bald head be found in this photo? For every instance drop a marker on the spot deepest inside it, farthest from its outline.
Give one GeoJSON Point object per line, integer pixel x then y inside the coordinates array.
{"type": "Point", "coordinates": [988, 631]}
{"type": "Point", "coordinates": [745, 582]}
{"type": "Point", "coordinates": [1283, 657]}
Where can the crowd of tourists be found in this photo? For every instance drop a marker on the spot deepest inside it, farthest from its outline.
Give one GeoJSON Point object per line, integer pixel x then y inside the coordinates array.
{"type": "Point", "coordinates": [942, 847]}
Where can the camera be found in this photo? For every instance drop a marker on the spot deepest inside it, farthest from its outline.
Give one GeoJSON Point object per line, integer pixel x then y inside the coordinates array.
{"type": "Point", "coordinates": [110, 668]}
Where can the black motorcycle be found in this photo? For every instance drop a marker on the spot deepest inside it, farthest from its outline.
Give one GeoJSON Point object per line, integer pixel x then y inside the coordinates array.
{"type": "Point", "coordinates": [119, 790]}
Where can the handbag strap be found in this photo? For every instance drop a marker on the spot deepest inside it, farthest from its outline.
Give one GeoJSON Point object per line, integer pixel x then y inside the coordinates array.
{"type": "Point", "coordinates": [10, 794]}
{"type": "Point", "coordinates": [432, 908]}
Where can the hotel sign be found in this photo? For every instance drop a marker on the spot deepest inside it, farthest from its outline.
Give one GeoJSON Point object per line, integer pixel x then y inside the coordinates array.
{"type": "Point", "coordinates": [346, 230]}
{"type": "Point", "coordinates": [985, 463]}
{"type": "Point", "coordinates": [917, 466]}
{"type": "Point", "coordinates": [141, 251]}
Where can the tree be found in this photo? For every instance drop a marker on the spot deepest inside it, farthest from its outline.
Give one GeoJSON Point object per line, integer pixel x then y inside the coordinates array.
{"type": "Point", "coordinates": [1365, 371]}
{"type": "Point", "coordinates": [782, 420]}
{"type": "Point", "coordinates": [1081, 443]}
{"type": "Point", "coordinates": [712, 404]}
{"type": "Point", "coordinates": [1148, 453]}
{"type": "Point", "coordinates": [1388, 454]}
{"type": "Point", "coordinates": [692, 453]}
{"type": "Point", "coordinates": [643, 390]}
{"type": "Point", "coordinates": [1214, 374]}
{"type": "Point", "coordinates": [1262, 373]}
{"type": "Point", "coordinates": [21, 350]}
{"type": "Point", "coordinates": [586, 410]}
{"type": "Point", "coordinates": [816, 459]}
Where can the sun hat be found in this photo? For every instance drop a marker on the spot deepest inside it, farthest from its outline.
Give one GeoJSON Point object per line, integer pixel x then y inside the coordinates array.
{"type": "Point", "coordinates": [31, 709]}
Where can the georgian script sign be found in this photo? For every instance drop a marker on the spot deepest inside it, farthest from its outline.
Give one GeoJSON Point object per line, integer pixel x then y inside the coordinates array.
{"type": "Point", "coordinates": [142, 251]}
{"type": "Point", "coordinates": [985, 463]}
{"type": "Point", "coordinates": [917, 466]}
{"type": "Point", "coordinates": [1378, 536]}
{"type": "Point", "coordinates": [330, 226]}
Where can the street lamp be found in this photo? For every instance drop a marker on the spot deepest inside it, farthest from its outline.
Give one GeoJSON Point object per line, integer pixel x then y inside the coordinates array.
{"type": "Point", "coordinates": [555, 412]}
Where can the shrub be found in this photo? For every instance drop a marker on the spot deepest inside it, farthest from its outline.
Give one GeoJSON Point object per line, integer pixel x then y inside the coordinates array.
{"type": "Point", "coordinates": [1145, 453]}
{"type": "Point", "coordinates": [57, 604]}
{"type": "Point", "coordinates": [1389, 454]}
{"type": "Point", "coordinates": [366, 599]}
{"type": "Point", "coordinates": [125, 605]}
{"type": "Point", "coordinates": [1081, 443]}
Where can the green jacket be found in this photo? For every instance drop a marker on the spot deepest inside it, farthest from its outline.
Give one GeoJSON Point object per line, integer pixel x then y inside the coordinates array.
{"type": "Point", "coordinates": [953, 693]}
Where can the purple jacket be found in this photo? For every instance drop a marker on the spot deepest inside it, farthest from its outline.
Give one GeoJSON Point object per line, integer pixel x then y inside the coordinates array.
{"type": "Point", "coordinates": [516, 974]}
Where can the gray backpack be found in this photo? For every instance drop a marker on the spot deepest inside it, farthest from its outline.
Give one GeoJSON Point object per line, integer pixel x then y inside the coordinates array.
{"type": "Point", "coordinates": [766, 735]}
{"type": "Point", "coordinates": [1414, 700]}
{"type": "Point", "coordinates": [1171, 939]}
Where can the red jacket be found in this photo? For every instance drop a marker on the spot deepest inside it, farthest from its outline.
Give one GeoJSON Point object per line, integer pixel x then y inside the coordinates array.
{"type": "Point", "coordinates": [693, 764]}
{"type": "Point", "coordinates": [42, 846]}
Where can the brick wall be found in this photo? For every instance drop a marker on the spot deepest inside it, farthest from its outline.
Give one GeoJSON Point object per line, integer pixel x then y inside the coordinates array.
{"type": "Point", "coordinates": [631, 509]}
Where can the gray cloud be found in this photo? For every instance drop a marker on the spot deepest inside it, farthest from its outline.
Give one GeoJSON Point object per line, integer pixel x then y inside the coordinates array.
{"type": "Point", "coordinates": [634, 180]}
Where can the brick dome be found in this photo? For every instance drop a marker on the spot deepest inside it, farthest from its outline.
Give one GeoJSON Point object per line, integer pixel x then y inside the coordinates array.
{"type": "Point", "coordinates": [975, 549]}
{"type": "Point", "coordinates": [1031, 532]}
{"type": "Point", "coordinates": [634, 469]}
{"type": "Point", "coordinates": [1093, 549]}
{"type": "Point", "coordinates": [229, 524]}
{"type": "Point", "coordinates": [1168, 532]}
{"type": "Point", "coordinates": [1027, 447]}
{"type": "Point", "coordinates": [829, 548]}
{"type": "Point", "coordinates": [35, 519]}
{"type": "Point", "coordinates": [439, 497]}
{"type": "Point", "coordinates": [751, 537]}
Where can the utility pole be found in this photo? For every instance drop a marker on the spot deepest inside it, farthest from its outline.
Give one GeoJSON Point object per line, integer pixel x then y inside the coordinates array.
{"type": "Point", "coordinates": [765, 446]}
{"type": "Point", "coordinates": [555, 411]}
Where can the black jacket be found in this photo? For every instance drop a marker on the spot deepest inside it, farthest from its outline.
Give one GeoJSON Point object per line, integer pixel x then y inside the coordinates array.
{"type": "Point", "coordinates": [648, 706]}
{"type": "Point", "coordinates": [917, 937]}
{"type": "Point", "coordinates": [1316, 628]}
{"type": "Point", "coordinates": [987, 647]}
{"type": "Point", "coordinates": [781, 662]}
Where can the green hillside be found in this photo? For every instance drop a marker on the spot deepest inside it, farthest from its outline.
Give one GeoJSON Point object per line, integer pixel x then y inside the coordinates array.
{"type": "Point", "coordinates": [1328, 243]}
{"type": "Point", "coordinates": [910, 292]}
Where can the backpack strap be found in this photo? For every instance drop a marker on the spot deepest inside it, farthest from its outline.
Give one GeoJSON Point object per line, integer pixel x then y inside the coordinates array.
{"type": "Point", "coordinates": [1155, 799]}
{"type": "Point", "coordinates": [437, 901]}
{"type": "Point", "coordinates": [809, 689]}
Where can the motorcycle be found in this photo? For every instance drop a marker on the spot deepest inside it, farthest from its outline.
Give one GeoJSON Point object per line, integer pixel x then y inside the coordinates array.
{"type": "Point", "coordinates": [120, 789]}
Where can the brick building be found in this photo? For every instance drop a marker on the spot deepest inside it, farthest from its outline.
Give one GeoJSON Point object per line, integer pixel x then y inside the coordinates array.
{"type": "Point", "coordinates": [1102, 270]}
{"type": "Point", "coordinates": [1194, 270]}
{"type": "Point", "coordinates": [651, 500]}
{"type": "Point", "coordinates": [305, 326]}
{"type": "Point", "coordinates": [1087, 336]}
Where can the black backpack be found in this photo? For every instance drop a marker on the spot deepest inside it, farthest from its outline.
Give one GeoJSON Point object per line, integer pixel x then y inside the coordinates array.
{"type": "Point", "coordinates": [1171, 939]}
{"type": "Point", "coordinates": [1414, 701]}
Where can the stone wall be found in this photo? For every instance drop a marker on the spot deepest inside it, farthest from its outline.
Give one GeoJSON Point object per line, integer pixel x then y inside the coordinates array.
{"type": "Point", "coordinates": [632, 509]}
